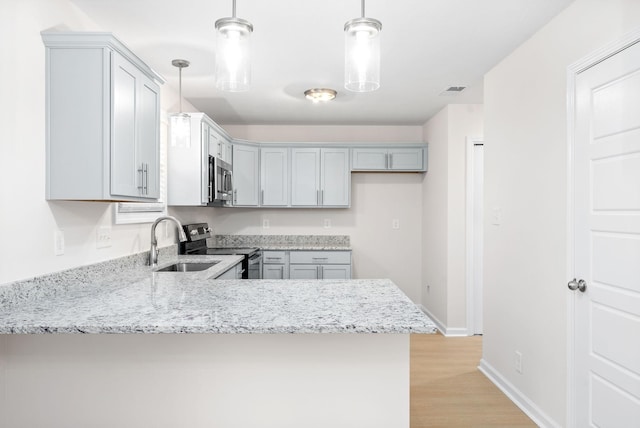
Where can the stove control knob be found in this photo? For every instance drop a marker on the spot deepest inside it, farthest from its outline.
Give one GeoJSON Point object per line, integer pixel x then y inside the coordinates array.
{"type": "Point", "coordinates": [194, 232]}
{"type": "Point", "coordinates": [207, 230]}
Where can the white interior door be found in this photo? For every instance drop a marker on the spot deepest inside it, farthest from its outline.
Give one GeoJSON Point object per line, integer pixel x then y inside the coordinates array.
{"type": "Point", "coordinates": [475, 221]}
{"type": "Point", "coordinates": [606, 332]}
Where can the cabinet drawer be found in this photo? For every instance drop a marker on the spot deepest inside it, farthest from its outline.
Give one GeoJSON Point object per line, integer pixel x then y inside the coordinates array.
{"type": "Point", "coordinates": [270, 257]}
{"type": "Point", "coordinates": [320, 257]}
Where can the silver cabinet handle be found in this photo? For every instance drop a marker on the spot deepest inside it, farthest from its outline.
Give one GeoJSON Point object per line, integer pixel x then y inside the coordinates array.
{"type": "Point", "coordinates": [319, 258]}
{"type": "Point", "coordinates": [580, 285]}
{"type": "Point", "coordinates": [322, 197]}
{"type": "Point", "coordinates": [262, 197]}
{"type": "Point", "coordinates": [317, 197]}
{"type": "Point", "coordinates": [235, 196]}
{"type": "Point", "coordinates": [318, 272]}
{"type": "Point", "coordinates": [391, 161]}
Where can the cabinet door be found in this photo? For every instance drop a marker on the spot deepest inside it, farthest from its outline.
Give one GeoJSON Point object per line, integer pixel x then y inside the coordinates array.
{"type": "Point", "coordinates": [126, 171]}
{"type": "Point", "coordinates": [336, 271]}
{"type": "Point", "coordinates": [148, 143]}
{"type": "Point", "coordinates": [406, 159]}
{"type": "Point", "coordinates": [273, 271]}
{"type": "Point", "coordinates": [274, 176]}
{"type": "Point", "coordinates": [335, 178]}
{"type": "Point", "coordinates": [305, 177]}
{"type": "Point", "coordinates": [369, 159]}
{"type": "Point", "coordinates": [304, 271]}
{"type": "Point", "coordinates": [245, 175]}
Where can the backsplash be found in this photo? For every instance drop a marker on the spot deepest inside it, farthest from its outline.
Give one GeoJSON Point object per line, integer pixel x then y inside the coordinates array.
{"type": "Point", "coordinates": [280, 240]}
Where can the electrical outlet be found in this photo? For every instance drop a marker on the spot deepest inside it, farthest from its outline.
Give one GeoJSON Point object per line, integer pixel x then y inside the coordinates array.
{"type": "Point", "coordinates": [496, 216]}
{"type": "Point", "coordinates": [58, 242]}
{"type": "Point", "coordinates": [518, 362]}
{"type": "Point", "coordinates": [103, 237]}
{"type": "Point", "coordinates": [428, 289]}
{"type": "Point", "coordinates": [327, 223]}
{"type": "Point", "coordinates": [395, 223]}
{"type": "Point", "coordinates": [265, 223]}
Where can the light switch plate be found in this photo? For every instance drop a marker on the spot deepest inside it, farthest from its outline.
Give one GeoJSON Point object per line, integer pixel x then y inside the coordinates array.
{"type": "Point", "coordinates": [395, 223]}
{"type": "Point", "coordinates": [265, 223]}
{"type": "Point", "coordinates": [496, 216]}
{"type": "Point", "coordinates": [327, 223]}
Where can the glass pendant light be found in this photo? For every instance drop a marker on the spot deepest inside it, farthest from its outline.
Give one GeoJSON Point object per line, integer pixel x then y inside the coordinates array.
{"type": "Point", "coordinates": [362, 54]}
{"type": "Point", "coordinates": [180, 123]}
{"type": "Point", "coordinates": [233, 53]}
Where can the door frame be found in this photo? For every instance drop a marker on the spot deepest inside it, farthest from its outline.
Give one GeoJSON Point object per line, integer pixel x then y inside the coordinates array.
{"type": "Point", "coordinates": [573, 71]}
{"type": "Point", "coordinates": [470, 233]}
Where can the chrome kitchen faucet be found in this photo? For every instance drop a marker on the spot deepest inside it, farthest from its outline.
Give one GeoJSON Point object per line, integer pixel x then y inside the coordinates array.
{"type": "Point", "coordinates": [153, 252]}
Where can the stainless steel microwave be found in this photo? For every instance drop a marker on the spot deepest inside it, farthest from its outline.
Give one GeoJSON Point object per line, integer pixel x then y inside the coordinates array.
{"type": "Point", "coordinates": [220, 182]}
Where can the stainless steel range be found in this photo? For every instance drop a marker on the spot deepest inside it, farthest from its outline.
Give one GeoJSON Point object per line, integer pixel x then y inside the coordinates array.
{"type": "Point", "coordinates": [196, 243]}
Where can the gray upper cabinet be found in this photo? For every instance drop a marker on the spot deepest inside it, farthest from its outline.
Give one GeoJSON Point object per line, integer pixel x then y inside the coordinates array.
{"type": "Point", "coordinates": [320, 177]}
{"type": "Point", "coordinates": [188, 164]}
{"type": "Point", "coordinates": [246, 177]}
{"type": "Point", "coordinates": [103, 120]}
{"type": "Point", "coordinates": [389, 159]}
{"type": "Point", "coordinates": [274, 176]}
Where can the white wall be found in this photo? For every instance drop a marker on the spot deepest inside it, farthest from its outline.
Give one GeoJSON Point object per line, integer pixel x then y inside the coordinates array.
{"type": "Point", "coordinates": [444, 213]}
{"type": "Point", "coordinates": [376, 199]}
{"type": "Point", "coordinates": [27, 220]}
{"type": "Point", "coordinates": [525, 176]}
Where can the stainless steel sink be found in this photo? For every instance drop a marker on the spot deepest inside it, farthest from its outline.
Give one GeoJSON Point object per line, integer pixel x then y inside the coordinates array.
{"type": "Point", "coordinates": [187, 267]}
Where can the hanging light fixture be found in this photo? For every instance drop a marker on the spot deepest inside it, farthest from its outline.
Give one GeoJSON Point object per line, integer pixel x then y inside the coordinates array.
{"type": "Point", "coordinates": [233, 62]}
{"type": "Point", "coordinates": [362, 54]}
{"type": "Point", "coordinates": [180, 122]}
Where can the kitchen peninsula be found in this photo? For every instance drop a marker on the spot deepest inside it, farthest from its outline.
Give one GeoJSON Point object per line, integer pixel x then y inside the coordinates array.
{"type": "Point", "coordinates": [346, 365]}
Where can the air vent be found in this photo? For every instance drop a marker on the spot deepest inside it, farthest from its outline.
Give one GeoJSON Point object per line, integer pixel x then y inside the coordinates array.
{"type": "Point", "coordinates": [452, 90]}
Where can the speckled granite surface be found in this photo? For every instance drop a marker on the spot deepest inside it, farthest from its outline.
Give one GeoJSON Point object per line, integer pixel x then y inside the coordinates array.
{"type": "Point", "coordinates": [284, 242]}
{"type": "Point", "coordinates": [138, 300]}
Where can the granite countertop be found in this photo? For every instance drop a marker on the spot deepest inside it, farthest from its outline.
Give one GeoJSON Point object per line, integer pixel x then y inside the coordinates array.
{"type": "Point", "coordinates": [285, 242]}
{"type": "Point", "coordinates": [139, 300]}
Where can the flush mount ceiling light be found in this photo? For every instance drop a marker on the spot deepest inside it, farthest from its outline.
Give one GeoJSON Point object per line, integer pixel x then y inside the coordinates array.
{"type": "Point", "coordinates": [362, 54]}
{"type": "Point", "coordinates": [320, 94]}
{"type": "Point", "coordinates": [233, 53]}
{"type": "Point", "coordinates": [180, 122]}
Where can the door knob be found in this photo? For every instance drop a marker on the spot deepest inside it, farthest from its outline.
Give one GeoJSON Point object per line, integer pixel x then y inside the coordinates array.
{"type": "Point", "coordinates": [575, 284]}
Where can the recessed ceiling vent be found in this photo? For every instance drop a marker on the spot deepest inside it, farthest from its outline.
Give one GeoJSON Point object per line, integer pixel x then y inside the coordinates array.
{"type": "Point", "coordinates": [452, 90]}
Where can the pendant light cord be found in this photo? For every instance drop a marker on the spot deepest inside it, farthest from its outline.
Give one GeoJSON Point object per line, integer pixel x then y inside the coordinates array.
{"type": "Point", "coordinates": [233, 10]}
{"type": "Point", "coordinates": [362, 7]}
{"type": "Point", "coordinates": [180, 88]}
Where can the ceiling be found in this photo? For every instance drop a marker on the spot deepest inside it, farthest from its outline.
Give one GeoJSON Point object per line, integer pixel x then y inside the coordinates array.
{"type": "Point", "coordinates": [427, 46]}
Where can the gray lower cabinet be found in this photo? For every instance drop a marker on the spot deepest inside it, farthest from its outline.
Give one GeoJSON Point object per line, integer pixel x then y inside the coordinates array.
{"type": "Point", "coordinates": [103, 120]}
{"type": "Point", "coordinates": [275, 265]}
{"type": "Point", "coordinates": [320, 265]}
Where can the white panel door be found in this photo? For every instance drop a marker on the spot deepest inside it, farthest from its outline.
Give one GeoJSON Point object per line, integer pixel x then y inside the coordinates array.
{"type": "Point", "coordinates": [335, 177]}
{"type": "Point", "coordinates": [607, 243]}
{"type": "Point", "coordinates": [246, 169]}
{"type": "Point", "coordinates": [305, 177]}
{"type": "Point", "coordinates": [274, 176]}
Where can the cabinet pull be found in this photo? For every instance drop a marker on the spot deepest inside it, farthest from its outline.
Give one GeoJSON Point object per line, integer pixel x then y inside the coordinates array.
{"type": "Point", "coordinates": [391, 161]}
{"type": "Point", "coordinates": [262, 197]}
{"type": "Point", "coordinates": [235, 196]}
{"type": "Point", "coordinates": [386, 161]}
{"type": "Point", "coordinates": [317, 197]}
{"type": "Point", "coordinates": [319, 258]}
{"type": "Point", "coordinates": [322, 197]}
{"type": "Point", "coordinates": [146, 178]}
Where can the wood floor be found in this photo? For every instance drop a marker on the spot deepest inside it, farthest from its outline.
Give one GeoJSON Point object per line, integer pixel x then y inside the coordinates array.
{"type": "Point", "coordinates": [447, 389]}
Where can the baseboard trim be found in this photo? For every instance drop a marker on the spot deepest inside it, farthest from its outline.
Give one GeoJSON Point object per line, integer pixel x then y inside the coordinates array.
{"type": "Point", "coordinates": [517, 397]}
{"type": "Point", "coordinates": [447, 332]}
